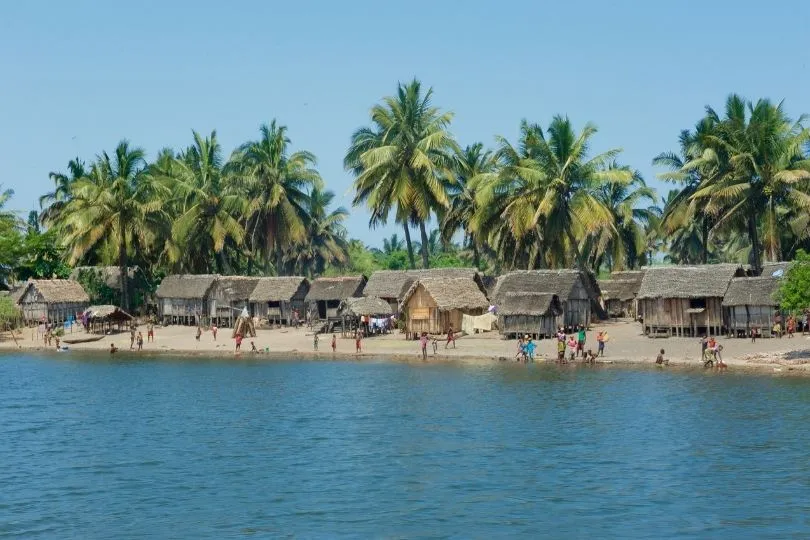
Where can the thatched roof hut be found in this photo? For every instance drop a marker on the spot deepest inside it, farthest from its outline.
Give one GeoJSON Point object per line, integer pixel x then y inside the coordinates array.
{"type": "Point", "coordinates": [54, 300]}
{"type": "Point", "coordinates": [775, 269]}
{"type": "Point", "coordinates": [326, 293]}
{"type": "Point", "coordinates": [336, 288]}
{"type": "Point", "coordinates": [622, 290]}
{"type": "Point", "coordinates": [186, 286]}
{"type": "Point", "coordinates": [107, 312]}
{"type": "Point", "coordinates": [685, 300]}
{"type": "Point", "coordinates": [275, 298]}
{"type": "Point", "coordinates": [183, 298]}
{"type": "Point", "coordinates": [279, 289]}
{"type": "Point", "coordinates": [366, 305]}
{"type": "Point", "coordinates": [570, 286]}
{"type": "Point", "coordinates": [751, 302]}
{"type": "Point", "coordinates": [110, 275]}
{"type": "Point", "coordinates": [434, 304]}
{"type": "Point", "coordinates": [536, 314]}
{"type": "Point", "coordinates": [392, 285]}
{"type": "Point", "coordinates": [228, 297]}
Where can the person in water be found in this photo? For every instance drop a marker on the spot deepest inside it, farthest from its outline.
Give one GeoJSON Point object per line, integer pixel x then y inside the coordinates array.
{"type": "Point", "coordinates": [530, 348]}
{"type": "Point", "coordinates": [113, 348]}
{"type": "Point", "coordinates": [660, 360]}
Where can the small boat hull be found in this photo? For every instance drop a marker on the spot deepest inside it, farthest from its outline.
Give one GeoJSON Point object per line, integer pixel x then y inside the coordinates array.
{"type": "Point", "coordinates": [85, 339]}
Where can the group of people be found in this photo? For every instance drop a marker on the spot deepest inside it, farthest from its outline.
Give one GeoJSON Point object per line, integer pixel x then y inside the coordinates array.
{"type": "Point", "coordinates": [575, 345]}
{"type": "Point", "coordinates": [792, 325]}
{"type": "Point", "coordinates": [136, 336]}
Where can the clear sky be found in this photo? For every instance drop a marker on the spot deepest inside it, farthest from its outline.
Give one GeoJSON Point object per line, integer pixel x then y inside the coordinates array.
{"type": "Point", "coordinates": [79, 76]}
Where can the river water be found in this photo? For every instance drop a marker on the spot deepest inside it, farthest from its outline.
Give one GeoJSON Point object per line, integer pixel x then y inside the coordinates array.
{"type": "Point", "coordinates": [194, 448]}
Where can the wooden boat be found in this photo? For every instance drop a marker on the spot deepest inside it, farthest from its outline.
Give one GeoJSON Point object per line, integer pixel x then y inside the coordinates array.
{"type": "Point", "coordinates": [83, 339]}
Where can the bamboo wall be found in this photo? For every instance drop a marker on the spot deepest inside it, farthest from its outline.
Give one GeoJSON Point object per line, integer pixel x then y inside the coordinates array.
{"type": "Point", "coordinates": [669, 315]}
{"type": "Point", "coordinates": [423, 315]}
{"type": "Point", "coordinates": [534, 325]}
{"type": "Point", "coordinates": [52, 312]}
{"type": "Point", "coordinates": [182, 310]}
{"type": "Point", "coordinates": [743, 318]}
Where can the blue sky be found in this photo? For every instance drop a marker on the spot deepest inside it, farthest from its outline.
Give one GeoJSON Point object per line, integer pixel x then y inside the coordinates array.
{"type": "Point", "coordinates": [79, 76]}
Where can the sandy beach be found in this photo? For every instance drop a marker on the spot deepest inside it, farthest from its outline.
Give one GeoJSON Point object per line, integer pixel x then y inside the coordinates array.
{"type": "Point", "coordinates": [626, 346]}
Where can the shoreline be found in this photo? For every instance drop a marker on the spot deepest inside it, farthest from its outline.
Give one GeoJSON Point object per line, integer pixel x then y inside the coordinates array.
{"type": "Point", "coordinates": [735, 365]}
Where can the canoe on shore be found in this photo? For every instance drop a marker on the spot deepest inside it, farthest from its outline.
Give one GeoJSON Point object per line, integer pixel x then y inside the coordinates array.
{"type": "Point", "coordinates": [83, 339]}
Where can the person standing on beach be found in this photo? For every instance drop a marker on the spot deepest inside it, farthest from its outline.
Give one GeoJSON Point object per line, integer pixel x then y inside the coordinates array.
{"type": "Point", "coordinates": [214, 331]}
{"type": "Point", "coordinates": [140, 341]}
{"type": "Point", "coordinates": [561, 350]}
{"type": "Point", "coordinates": [132, 337]}
{"type": "Point", "coordinates": [334, 343]}
{"type": "Point", "coordinates": [704, 342]}
{"type": "Point", "coordinates": [791, 326]}
{"type": "Point", "coordinates": [581, 341]}
{"type": "Point", "coordinates": [238, 342]}
{"type": "Point", "coordinates": [451, 337]}
{"type": "Point", "coordinates": [600, 341]}
{"type": "Point", "coordinates": [573, 346]}
{"type": "Point", "coordinates": [521, 348]}
{"type": "Point", "coordinates": [315, 341]}
{"type": "Point", "coordinates": [199, 333]}
{"type": "Point", "coordinates": [423, 341]}
{"type": "Point", "coordinates": [358, 338]}
{"type": "Point", "coordinates": [530, 347]}
{"type": "Point", "coordinates": [150, 333]}
{"type": "Point", "coordinates": [754, 331]}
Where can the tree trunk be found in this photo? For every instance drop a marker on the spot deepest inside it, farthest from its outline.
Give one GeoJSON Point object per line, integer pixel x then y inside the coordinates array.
{"type": "Point", "coordinates": [425, 245]}
{"type": "Point", "coordinates": [122, 263]}
{"type": "Point", "coordinates": [753, 235]}
{"type": "Point", "coordinates": [704, 239]}
{"type": "Point", "coordinates": [409, 245]}
{"type": "Point", "coordinates": [476, 254]}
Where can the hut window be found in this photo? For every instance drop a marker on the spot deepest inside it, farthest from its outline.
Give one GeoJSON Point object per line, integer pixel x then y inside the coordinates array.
{"type": "Point", "coordinates": [697, 303]}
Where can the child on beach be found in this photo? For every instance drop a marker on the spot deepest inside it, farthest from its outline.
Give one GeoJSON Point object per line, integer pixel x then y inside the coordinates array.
{"type": "Point", "coordinates": [199, 333]}
{"type": "Point", "coordinates": [521, 348]}
{"type": "Point", "coordinates": [315, 341]}
{"type": "Point", "coordinates": [214, 331]}
{"type": "Point", "coordinates": [600, 340]}
{"type": "Point", "coordinates": [660, 360]}
{"type": "Point", "coordinates": [253, 348]}
{"type": "Point", "coordinates": [791, 326]}
{"type": "Point", "coordinates": [358, 339]}
{"type": "Point", "coordinates": [581, 341]}
{"type": "Point", "coordinates": [334, 343]}
{"type": "Point", "coordinates": [561, 350]}
{"type": "Point", "coordinates": [238, 341]}
{"type": "Point", "coordinates": [530, 347]}
{"type": "Point", "coordinates": [435, 346]}
{"type": "Point", "coordinates": [573, 347]}
{"type": "Point", "coordinates": [590, 357]}
{"type": "Point", "coordinates": [150, 333]}
{"type": "Point", "coordinates": [140, 341]}
{"type": "Point", "coordinates": [423, 341]}
{"type": "Point", "coordinates": [754, 332]}
{"type": "Point", "coordinates": [451, 337]}
{"type": "Point", "coordinates": [113, 348]}
{"type": "Point", "coordinates": [132, 337]}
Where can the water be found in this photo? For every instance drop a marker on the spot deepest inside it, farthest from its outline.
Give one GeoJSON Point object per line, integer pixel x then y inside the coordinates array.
{"type": "Point", "coordinates": [209, 449]}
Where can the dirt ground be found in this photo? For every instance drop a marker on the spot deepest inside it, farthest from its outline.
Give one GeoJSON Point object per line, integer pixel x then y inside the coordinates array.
{"type": "Point", "coordinates": [626, 345]}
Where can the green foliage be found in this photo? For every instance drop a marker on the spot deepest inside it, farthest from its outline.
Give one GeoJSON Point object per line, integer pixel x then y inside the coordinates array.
{"type": "Point", "coordinates": [42, 256]}
{"type": "Point", "coordinates": [96, 288]}
{"type": "Point", "coordinates": [794, 291]}
{"type": "Point", "coordinates": [9, 313]}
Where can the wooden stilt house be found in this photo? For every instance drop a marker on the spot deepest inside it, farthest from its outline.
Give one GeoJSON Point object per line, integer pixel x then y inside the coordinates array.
{"type": "Point", "coordinates": [568, 285]}
{"type": "Point", "coordinates": [326, 293]}
{"type": "Point", "coordinates": [433, 305]}
{"type": "Point", "coordinates": [274, 298]}
{"type": "Point", "coordinates": [536, 314]}
{"type": "Point", "coordinates": [53, 300]}
{"type": "Point", "coordinates": [391, 285]}
{"type": "Point", "coordinates": [685, 300]}
{"type": "Point", "coordinates": [183, 299]}
{"type": "Point", "coordinates": [750, 302]}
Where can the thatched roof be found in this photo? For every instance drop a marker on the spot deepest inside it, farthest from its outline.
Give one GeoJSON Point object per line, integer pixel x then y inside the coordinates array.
{"type": "Point", "coordinates": [336, 288]}
{"type": "Point", "coordinates": [769, 268]}
{"type": "Point", "coordinates": [451, 293]}
{"type": "Point", "coordinates": [531, 304]}
{"type": "Point", "coordinates": [633, 276]}
{"type": "Point", "coordinates": [366, 305]}
{"type": "Point", "coordinates": [16, 293]}
{"type": "Point", "coordinates": [702, 281]}
{"type": "Point", "coordinates": [188, 286]}
{"type": "Point", "coordinates": [111, 275]}
{"type": "Point", "coordinates": [618, 289]}
{"type": "Point", "coordinates": [559, 282]}
{"type": "Point", "coordinates": [752, 291]}
{"type": "Point", "coordinates": [235, 288]}
{"type": "Point", "coordinates": [278, 289]}
{"type": "Point", "coordinates": [107, 311]}
{"type": "Point", "coordinates": [395, 283]}
{"type": "Point", "coordinates": [55, 291]}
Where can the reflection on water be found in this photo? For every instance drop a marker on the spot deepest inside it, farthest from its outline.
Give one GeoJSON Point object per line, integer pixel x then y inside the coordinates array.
{"type": "Point", "coordinates": [205, 448]}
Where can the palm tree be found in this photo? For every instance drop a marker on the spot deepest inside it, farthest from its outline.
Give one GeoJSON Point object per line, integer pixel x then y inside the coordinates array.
{"type": "Point", "coordinates": [767, 177]}
{"type": "Point", "coordinates": [325, 242]}
{"type": "Point", "coordinates": [209, 204]}
{"type": "Point", "coordinates": [402, 162]}
{"type": "Point", "coordinates": [52, 203]}
{"type": "Point", "coordinates": [471, 167]}
{"type": "Point", "coordinates": [110, 206]}
{"type": "Point", "coordinates": [547, 190]}
{"type": "Point", "coordinates": [392, 244]}
{"type": "Point", "coordinates": [276, 185]}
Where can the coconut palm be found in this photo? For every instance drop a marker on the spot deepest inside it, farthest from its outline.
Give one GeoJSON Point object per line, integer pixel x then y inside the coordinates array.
{"type": "Point", "coordinates": [472, 166]}
{"type": "Point", "coordinates": [325, 240]}
{"type": "Point", "coordinates": [275, 184]}
{"type": "Point", "coordinates": [392, 244]}
{"type": "Point", "coordinates": [210, 206]}
{"type": "Point", "coordinates": [402, 162]}
{"type": "Point", "coordinates": [109, 208]}
{"type": "Point", "coordinates": [52, 203]}
{"type": "Point", "coordinates": [768, 175]}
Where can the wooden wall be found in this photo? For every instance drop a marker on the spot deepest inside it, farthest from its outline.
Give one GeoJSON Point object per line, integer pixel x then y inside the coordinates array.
{"type": "Point", "coordinates": [669, 315]}
{"type": "Point", "coordinates": [278, 312]}
{"type": "Point", "coordinates": [539, 325]}
{"type": "Point", "coordinates": [742, 318]}
{"type": "Point", "coordinates": [182, 310]}
{"type": "Point", "coordinates": [577, 307]}
{"type": "Point", "coordinates": [423, 315]}
{"type": "Point", "coordinates": [53, 312]}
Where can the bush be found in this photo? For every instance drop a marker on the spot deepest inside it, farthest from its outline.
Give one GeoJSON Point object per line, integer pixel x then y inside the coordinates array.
{"type": "Point", "coordinates": [794, 291]}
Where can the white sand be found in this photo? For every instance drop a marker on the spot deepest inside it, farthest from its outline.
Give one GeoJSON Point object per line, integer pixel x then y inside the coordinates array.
{"type": "Point", "coordinates": [626, 346]}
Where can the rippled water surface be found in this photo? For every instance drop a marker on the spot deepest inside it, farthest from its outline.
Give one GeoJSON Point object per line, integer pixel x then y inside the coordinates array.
{"type": "Point", "coordinates": [208, 449]}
